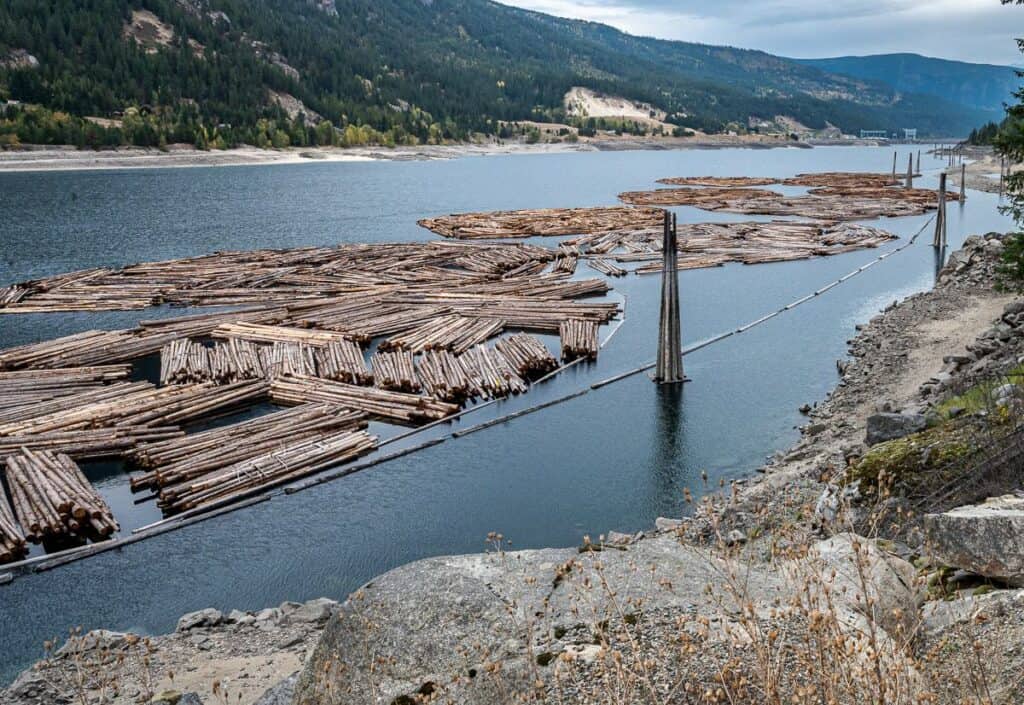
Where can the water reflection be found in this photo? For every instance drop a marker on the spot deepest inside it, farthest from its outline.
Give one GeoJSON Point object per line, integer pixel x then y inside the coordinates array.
{"type": "Point", "coordinates": [670, 471]}
{"type": "Point", "coordinates": [939, 253]}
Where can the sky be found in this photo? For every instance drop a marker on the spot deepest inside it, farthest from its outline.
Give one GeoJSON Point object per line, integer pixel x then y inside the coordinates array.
{"type": "Point", "coordinates": [980, 31]}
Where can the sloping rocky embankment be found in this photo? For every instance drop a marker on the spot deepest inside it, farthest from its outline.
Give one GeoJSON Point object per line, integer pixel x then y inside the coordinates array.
{"type": "Point", "coordinates": [744, 599]}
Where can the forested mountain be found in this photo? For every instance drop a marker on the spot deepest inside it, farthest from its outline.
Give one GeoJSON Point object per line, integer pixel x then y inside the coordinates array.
{"type": "Point", "coordinates": [979, 86]}
{"type": "Point", "coordinates": [222, 72]}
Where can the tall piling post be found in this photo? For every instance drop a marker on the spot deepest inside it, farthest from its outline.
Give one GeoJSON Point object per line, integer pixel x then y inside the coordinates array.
{"type": "Point", "coordinates": [910, 172]}
{"type": "Point", "coordinates": [963, 183]}
{"type": "Point", "coordinates": [940, 216]}
{"type": "Point", "coordinates": [918, 161]}
{"type": "Point", "coordinates": [670, 348]}
{"type": "Point", "coordinates": [894, 167]}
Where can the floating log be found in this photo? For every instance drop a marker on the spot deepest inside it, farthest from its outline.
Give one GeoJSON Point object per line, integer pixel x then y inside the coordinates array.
{"type": "Point", "coordinates": [295, 359]}
{"type": "Point", "coordinates": [181, 459]}
{"type": "Point", "coordinates": [53, 500]}
{"type": "Point", "coordinates": [528, 356]}
{"type": "Point", "coordinates": [606, 267]}
{"type": "Point", "coordinates": [444, 376]}
{"type": "Point", "coordinates": [395, 371]}
{"type": "Point", "coordinates": [89, 444]}
{"type": "Point", "coordinates": [544, 221]}
{"type": "Point", "coordinates": [132, 404]}
{"type": "Point", "coordinates": [258, 333]}
{"type": "Point", "coordinates": [565, 262]}
{"type": "Point", "coordinates": [578, 339]}
{"type": "Point", "coordinates": [31, 387]}
{"type": "Point", "coordinates": [284, 463]}
{"type": "Point", "coordinates": [184, 361]}
{"type": "Point", "coordinates": [13, 546]}
{"type": "Point", "coordinates": [342, 361]}
{"type": "Point", "coordinates": [720, 181]}
{"type": "Point", "coordinates": [491, 373]}
{"type": "Point", "coordinates": [386, 405]}
{"type": "Point", "coordinates": [454, 332]}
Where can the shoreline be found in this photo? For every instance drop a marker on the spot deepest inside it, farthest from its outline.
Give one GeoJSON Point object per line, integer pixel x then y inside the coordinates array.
{"type": "Point", "coordinates": [47, 159]}
{"type": "Point", "coordinates": [894, 357]}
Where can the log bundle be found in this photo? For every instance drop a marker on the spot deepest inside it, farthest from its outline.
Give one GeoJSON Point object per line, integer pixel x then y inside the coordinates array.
{"type": "Point", "coordinates": [12, 541]}
{"type": "Point", "coordinates": [491, 373]}
{"type": "Point", "coordinates": [529, 357]}
{"type": "Point", "coordinates": [398, 407]}
{"type": "Point", "coordinates": [749, 242]}
{"type": "Point", "coordinates": [296, 359]}
{"type": "Point", "coordinates": [53, 500]}
{"type": "Point", "coordinates": [342, 361]}
{"type": "Point", "coordinates": [578, 339]}
{"type": "Point", "coordinates": [544, 221]}
{"type": "Point", "coordinates": [395, 371]}
{"type": "Point", "coordinates": [179, 460]}
{"type": "Point", "coordinates": [88, 443]}
{"type": "Point", "coordinates": [286, 463]}
{"type": "Point", "coordinates": [455, 332]}
{"type": "Point", "coordinates": [184, 361]}
{"type": "Point", "coordinates": [445, 376]}
{"type": "Point", "coordinates": [31, 387]}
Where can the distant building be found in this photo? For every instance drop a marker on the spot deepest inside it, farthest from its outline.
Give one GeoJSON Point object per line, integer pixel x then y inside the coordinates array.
{"type": "Point", "coordinates": [910, 133]}
{"type": "Point", "coordinates": [874, 134]}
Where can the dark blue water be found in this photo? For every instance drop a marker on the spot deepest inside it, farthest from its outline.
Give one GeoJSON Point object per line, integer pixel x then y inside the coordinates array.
{"type": "Point", "coordinates": [615, 458]}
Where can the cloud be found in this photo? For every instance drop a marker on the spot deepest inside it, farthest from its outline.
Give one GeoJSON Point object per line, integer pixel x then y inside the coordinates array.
{"type": "Point", "coordinates": [969, 30]}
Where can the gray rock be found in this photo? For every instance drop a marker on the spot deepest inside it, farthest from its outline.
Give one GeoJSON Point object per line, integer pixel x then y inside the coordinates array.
{"type": "Point", "coordinates": [666, 524]}
{"type": "Point", "coordinates": [95, 640]}
{"type": "Point", "coordinates": [886, 427]}
{"type": "Point", "coordinates": [280, 694]}
{"type": "Point", "coordinates": [203, 618]}
{"type": "Point", "coordinates": [893, 595]}
{"type": "Point", "coordinates": [313, 612]}
{"type": "Point", "coordinates": [617, 538]}
{"type": "Point", "coordinates": [190, 699]}
{"type": "Point", "coordinates": [986, 539]}
{"type": "Point", "coordinates": [166, 697]}
{"type": "Point", "coordinates": [270, 614]}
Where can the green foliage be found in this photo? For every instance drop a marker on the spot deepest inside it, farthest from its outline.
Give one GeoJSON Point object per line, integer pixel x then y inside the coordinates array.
{"type": "Point", "coordinates": [1009, 142]}
{"type": "Point", "coordinates": [984, 135]}
{"type": "Point", "coordinates": [398, 72]}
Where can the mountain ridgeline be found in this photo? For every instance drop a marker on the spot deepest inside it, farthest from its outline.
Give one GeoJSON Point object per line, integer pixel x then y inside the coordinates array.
{"type": "Point", "coordinates": [297, 72]}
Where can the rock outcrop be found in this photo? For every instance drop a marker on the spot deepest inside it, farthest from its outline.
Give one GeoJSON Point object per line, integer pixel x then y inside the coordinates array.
{"type": "Point", "coordinates": [986, 539]}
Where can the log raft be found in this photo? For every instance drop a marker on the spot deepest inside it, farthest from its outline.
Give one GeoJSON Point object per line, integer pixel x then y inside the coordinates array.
{"type": "Point", "coordinates": [578, 339]}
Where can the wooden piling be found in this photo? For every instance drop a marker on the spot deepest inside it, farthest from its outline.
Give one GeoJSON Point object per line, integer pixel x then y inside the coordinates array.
{"type": "Point", "coordinates": [670, 357]}
{"type": "Point", "coordinates": [894, 166]}
{"type": "Point", "coordinates": [910, 172]}
{"type": "Point", "coordinates": [940, 216]}
{"type": "Point", "coordinates": [963, 183]}
{"type": "Point", "coordinates": [919, 161]}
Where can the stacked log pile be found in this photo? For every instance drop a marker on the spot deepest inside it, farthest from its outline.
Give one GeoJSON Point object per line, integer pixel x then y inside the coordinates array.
{"type": "Point", "coordinates": [491, 373]}
{"type": "Point", "coordinates": [395, 371]}
{"type": "Point", "coordinates": [83, 350]}
{"type": "Point", "coordinates": [342, 361]}
{"type": "Point", "coordinates": [183, 459]}
{"type": "Point", "coordinates": [565, 262]}
{"type": "Point", "coordinates": [529, 357]}
{"type": "Point", "coordinates": [544, 221]}
{"type": "Point", "coordinates": [286, 463]}
{"type": "Point", "coordinates": [258, 333]}
{"type": "Point", "coordinates": [184, 361]}
{"type": "Point", "coordinates": [751, 242]}
{"type": "Point", "coordinates": [391, 406]}
{"type": "Point", "coordinates": [12, 541]}
{"type": "Point", "coordinates": [88, 443]}
{"type": "Point", "coordinates": [578, 339]}
{"type": "Point", "coordinates": [706, 198]}
{"type": "Point", "coordinates": [234, 360]}
{"type": "Point", "coordinates": [295, 359]}
{"type": "Point", "coordinates": [131, 404]}
{"type": "Point", "coordinates": [720, 181]}
{"type": "Point", "coordinates": [444, 376]}
{"type": "Point", "coordinates": [53, 500]}
{"type": "Point", "coordinates": [30, 387]}
{"type": "Point", "coordinates": [517, 312]}
{"type": "Point", "coordinates": [455, 332]}
{"type": "Point", "coordinates": [606, 267]}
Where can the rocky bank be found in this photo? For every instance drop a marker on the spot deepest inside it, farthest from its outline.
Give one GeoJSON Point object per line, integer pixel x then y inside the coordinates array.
{"type": "Point", "coordinates": [744, 599]}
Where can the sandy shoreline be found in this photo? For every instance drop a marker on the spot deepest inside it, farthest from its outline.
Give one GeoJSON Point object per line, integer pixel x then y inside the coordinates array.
{"type": "Point", "coordinates": [178, 156]}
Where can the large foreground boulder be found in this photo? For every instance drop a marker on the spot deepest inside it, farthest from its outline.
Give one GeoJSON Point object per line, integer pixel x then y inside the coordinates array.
{"type": "Point", "coordinates": [478, 627]}
{"type": "Point", "coordinates": [986, 539]}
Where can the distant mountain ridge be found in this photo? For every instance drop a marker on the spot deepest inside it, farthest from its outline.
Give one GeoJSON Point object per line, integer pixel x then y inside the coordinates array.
{"type": "Point", "coordinates": [279, 72]}
{"type": "Point", "coordinates": [978, 86]}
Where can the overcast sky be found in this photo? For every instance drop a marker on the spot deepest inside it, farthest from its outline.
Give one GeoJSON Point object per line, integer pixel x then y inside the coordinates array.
{"type": "Point", "coordinates": [981, 31]}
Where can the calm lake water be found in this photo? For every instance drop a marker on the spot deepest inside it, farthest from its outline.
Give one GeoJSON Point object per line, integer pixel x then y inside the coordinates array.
{"type": "Point", "coordinates": [615, 458]}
